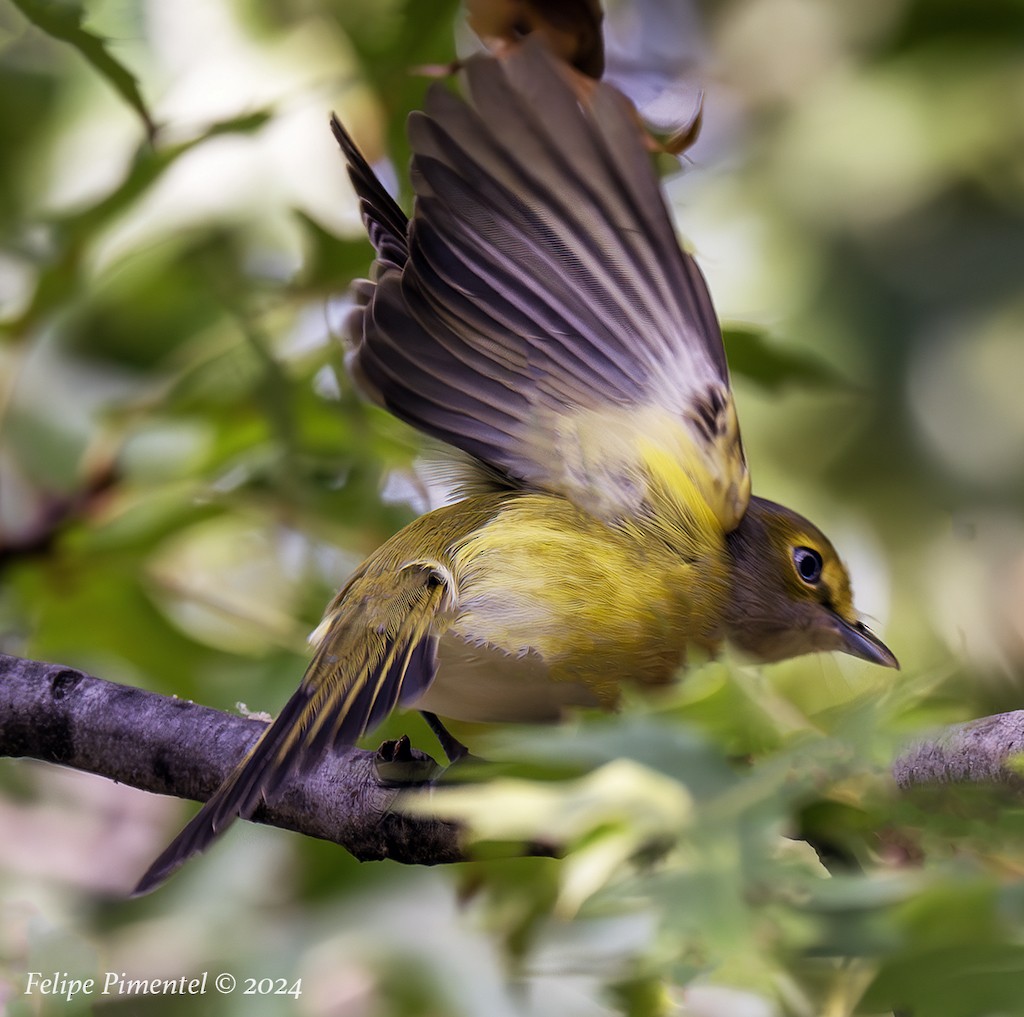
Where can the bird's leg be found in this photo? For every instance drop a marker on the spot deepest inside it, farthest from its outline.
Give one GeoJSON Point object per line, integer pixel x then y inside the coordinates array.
{"type": "Point", "coordinates": [452, 747]}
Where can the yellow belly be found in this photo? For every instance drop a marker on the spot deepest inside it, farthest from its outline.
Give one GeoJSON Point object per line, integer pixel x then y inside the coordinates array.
{"type": "Point", "coordinates": [558, 609]}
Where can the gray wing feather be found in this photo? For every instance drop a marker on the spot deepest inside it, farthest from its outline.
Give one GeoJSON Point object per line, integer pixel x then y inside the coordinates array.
{"type": "Point", "coordinates": [540, 274]}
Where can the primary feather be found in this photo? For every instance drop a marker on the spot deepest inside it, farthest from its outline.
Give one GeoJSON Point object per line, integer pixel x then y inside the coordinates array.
{"type": "Point", "coordinates": [544, 289]}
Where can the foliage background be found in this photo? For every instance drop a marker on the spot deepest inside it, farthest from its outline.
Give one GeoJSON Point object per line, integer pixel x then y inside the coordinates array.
{"type": "Point", "coordinates": [185, 477]}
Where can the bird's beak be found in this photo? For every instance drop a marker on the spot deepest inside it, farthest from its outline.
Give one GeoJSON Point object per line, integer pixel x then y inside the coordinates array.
{"type": "Point", "coordinates": [858, 641]}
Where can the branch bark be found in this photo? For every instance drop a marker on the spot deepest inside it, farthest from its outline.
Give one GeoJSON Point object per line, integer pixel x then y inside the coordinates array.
{"type": "Point", "coordinates": [976, 752]}
{"type": "Point", "coordinates": [176, 747]}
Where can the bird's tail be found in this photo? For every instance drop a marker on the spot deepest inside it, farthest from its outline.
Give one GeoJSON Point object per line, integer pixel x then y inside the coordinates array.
{"type": "Point", "coordinates": [377, 648]}
{"type": "Point", "coordinates": [255, 779]}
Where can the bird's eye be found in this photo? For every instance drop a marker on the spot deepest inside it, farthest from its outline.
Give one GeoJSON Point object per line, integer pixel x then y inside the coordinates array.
{"type": "Point", "coordinates": [808, 564]}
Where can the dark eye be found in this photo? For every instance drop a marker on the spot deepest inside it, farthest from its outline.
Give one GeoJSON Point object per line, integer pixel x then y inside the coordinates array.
{"type": "Point", "coordinates": [808, 564]}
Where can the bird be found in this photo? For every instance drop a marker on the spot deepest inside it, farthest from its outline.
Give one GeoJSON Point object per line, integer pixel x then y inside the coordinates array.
{"type": "Point", "coordinates": [538, 317]}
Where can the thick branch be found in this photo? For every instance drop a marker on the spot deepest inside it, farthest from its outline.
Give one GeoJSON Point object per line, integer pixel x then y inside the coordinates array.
{"type": "Point", "coordinates": [175, 747]}
{"type": "Point", "coordinates": [975, 752]}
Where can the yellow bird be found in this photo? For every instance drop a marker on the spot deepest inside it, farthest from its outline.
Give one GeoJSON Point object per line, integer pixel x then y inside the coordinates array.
{"type": "Point", "coordinates": [538, 315]}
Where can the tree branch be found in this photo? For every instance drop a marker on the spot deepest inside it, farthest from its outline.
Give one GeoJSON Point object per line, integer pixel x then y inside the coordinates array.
{"type": "Point", "coordinates": [975, 752]}
{"type": "Point", "coordinates": [175, 747]}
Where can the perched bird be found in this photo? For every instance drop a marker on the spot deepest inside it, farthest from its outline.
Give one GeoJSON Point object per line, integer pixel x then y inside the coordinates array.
{"type": "Point", "coordinates": [538, 315]}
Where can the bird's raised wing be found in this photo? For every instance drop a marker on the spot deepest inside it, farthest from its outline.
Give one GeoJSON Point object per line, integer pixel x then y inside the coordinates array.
{"type": "Point", "coordinates": [538, 312]}
{"type": "Point", "coordinates": [377, 647]}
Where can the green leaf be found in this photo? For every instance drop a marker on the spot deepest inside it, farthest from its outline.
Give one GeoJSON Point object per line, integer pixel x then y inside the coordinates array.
{"type": "Point", "coordinates": [754, 355]}
{"type": "Point", "coordinates": [331, 261]}
{"type": "Point", "coordinates": [63, 21]}
{"type": "Point", "coordinates": [962, 981]}
{"type": "Point", "coordinates": [59, 280]}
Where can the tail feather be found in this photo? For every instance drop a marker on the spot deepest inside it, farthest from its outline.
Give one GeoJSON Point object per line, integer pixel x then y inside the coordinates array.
{"type": "Point", "coordinates": [379, 649]}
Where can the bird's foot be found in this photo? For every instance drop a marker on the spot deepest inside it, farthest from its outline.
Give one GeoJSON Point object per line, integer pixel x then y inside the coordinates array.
{"type": "Point", "coordinates": [398, 764]}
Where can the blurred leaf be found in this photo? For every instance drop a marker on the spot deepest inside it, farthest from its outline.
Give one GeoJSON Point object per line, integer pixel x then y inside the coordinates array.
{"type": "Point", "coordinates": [60, 279]}
{"type": "Point", "coordinates": [148, 166]}
{"type": "Point", "coordinates": [252, 610]}
{"type": "Point", "coordinates": [753, 355]}
{"type": "Point", "coordinates": [392, 40]}
{"type": "Point", "coordinates": [644, 997]}
{"type": "Point", "coordinates": [150, 306]}
{"type": "Point", "coordinates": [331, 261]}
{"type": "Point", "coordinates": [20, 122]}
{"type": "Point", "coordinates": [992, 21]}
{"type": "Point", "coordinates": [62, 20]}
{"type": "Point", "coordinates": [669, 748]}
{"type": "Point", "coordinates": [968, 980]}
{"type": "Point", "coordinates": [620, 792]}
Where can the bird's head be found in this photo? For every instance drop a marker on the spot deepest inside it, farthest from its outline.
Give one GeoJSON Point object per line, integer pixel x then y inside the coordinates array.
{"type": "Point", "coordinates": [791, 594]}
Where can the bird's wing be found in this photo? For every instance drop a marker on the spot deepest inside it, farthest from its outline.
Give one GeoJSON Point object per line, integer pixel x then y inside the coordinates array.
{"type": "Point", "coordinates": [377, 648]}
{"type": "Point", "coordinates": [545, 319]}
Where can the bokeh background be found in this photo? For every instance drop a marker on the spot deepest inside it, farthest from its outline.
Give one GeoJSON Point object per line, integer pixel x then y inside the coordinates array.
{"type": "Point", "coordinates": [186, 476]}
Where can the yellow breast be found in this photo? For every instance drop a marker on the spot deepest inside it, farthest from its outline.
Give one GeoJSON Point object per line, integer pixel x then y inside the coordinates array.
{"type": "Point", "coordinates": [583, 601]}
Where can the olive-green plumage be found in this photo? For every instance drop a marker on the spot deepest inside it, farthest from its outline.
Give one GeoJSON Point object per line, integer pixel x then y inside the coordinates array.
{"type": "Point", "coordinates": [538, 315]}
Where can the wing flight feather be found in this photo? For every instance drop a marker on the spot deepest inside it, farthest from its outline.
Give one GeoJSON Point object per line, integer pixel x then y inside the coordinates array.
{"type": "Point", "coordinates": [542, 286]}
